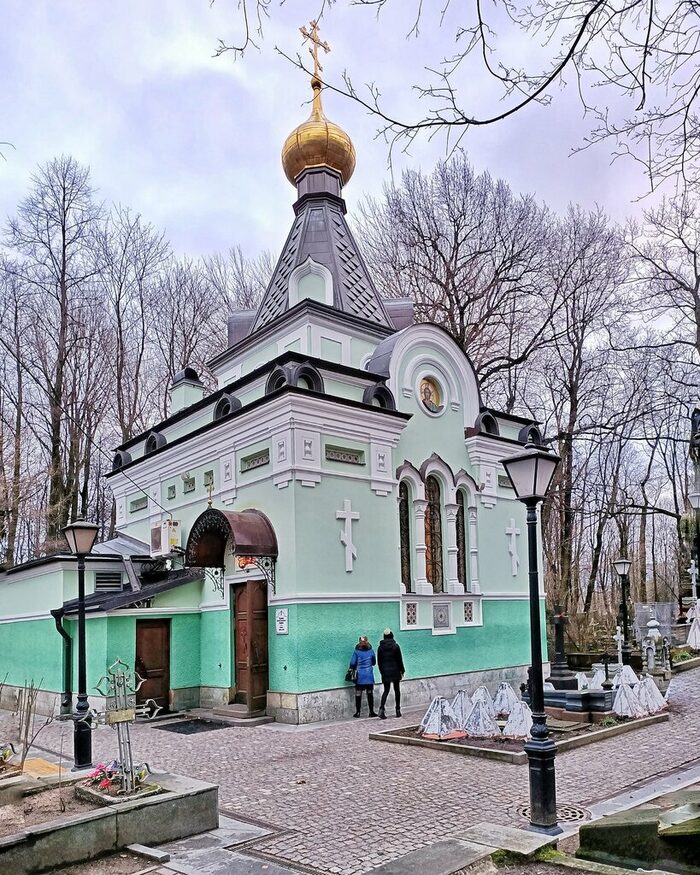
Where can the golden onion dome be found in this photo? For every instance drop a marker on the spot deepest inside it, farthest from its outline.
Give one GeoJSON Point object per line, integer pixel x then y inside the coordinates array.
{"type": "Point", "coordinates": [318, 142]}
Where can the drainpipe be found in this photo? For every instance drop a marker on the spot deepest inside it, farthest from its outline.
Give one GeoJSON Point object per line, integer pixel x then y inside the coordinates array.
{"type": "Point", "coordinates": [67, 694]}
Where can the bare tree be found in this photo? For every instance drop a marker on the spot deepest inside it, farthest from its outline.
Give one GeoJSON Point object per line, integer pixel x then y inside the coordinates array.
{"type": "Point", "coordinates": [470, 253]}
{"type": "Point", "coordinates": [238, 282]}
{"type": "Point", "coordinates": [634, 67]}
{"type": "Point", "coordinates": [52, 236]}
{"type": "Point", "coordinates": [131, 256]}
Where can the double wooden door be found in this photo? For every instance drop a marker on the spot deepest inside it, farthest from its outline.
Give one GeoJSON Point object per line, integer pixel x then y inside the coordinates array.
{"type": "Point", "coordinates": [153, 661]}
{"type": "Point", "coordinates": [250, 644]}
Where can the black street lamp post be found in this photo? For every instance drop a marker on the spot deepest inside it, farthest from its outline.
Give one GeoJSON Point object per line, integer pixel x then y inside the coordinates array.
{"type": "Point", "coordinates": [694, 499]}
{"type": "Point", "coordinates": [622, 566]}
{"type": "Point", "coordinates": [530, 473]}
{"type": "Point", "coordinates": [81, 538]}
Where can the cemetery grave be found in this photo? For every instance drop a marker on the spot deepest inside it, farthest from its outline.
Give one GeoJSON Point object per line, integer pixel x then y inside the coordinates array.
{"type": "Point", "coordinates": [67, 819]}
{"type": "Point", "coordinates": [498, 727]}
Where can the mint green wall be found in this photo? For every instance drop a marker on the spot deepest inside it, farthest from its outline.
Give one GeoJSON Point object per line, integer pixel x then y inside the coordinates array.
{"type": "Point", "coordinates": [32, 592]}
{"type": "Point", "coordinates": [121, 640]}
{"type": "Point", "coordinates": [184, 650]}
{"type": "Point", "coordinates": [279, 505]}
{"type": "Point", "coordinates": [342, 389]}
{"type": "Point", "coordinates": [31, 651]}
{"type": "Point", "coordinates": [187, 596]}
{"type": "Point", "coordinates": [320, 554]}
{"type": "Point", "coordinates": [322, 637]}
{"type": "Point", "coordinates": [215, 656]}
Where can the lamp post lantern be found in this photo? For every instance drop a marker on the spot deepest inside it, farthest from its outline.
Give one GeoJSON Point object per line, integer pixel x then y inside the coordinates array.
{"type": "Point", "coordinates": [81, 536]}
{"type": "Point", "coordinates": [530, 473]}
{"type": "Point", "coordinates": [622, 566]}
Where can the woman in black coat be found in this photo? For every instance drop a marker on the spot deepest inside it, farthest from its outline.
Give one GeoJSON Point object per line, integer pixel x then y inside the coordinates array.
{"type": "Point", "coordinates": [391, 669]}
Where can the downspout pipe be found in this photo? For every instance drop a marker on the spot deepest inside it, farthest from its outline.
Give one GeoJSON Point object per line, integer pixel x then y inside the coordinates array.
{"type": "Point", "coordinates": [67, 694]}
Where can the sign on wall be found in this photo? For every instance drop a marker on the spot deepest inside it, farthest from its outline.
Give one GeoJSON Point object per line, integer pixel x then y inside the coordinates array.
{"type": "Point", "coordinates": [282, 621]}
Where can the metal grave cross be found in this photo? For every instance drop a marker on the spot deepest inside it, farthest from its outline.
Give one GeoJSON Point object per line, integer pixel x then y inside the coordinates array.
{"type": "Point", "coordinates": [349, 516]}
{"type": "Point", "coordinates": [619, 639]}
{"type": "Point", "coordinates": [119, 687]}
{"type": "Point", "coordinates": [513, 533]}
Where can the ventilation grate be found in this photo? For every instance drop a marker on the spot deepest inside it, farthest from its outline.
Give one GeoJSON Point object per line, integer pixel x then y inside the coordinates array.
{"type": "Point", "coordinates": [107, 580]}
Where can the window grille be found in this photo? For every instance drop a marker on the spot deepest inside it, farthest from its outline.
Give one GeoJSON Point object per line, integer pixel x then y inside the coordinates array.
{"type": "Point", "coordinates": [433, 534]}
{"type": "Point", "coordinates": [411, 614]}
{"type": "Point", "coordinates": [405, 534]}
{"type": "Point", "coordinates": [469, 612]}
{"type": "Point", "coordinates": [461, 541]}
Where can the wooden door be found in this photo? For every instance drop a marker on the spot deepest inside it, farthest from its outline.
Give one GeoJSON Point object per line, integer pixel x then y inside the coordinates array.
{"type": "Point", "coordinates": [250, 620]}
{"type": "Point", "coordinates": [153, 661]}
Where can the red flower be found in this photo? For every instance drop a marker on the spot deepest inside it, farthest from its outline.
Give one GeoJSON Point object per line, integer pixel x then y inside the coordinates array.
{"type": "Point", "coordinates": [104, 784]}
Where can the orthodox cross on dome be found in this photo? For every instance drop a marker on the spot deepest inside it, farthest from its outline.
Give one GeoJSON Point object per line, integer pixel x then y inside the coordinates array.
{"type": "Point", "coordinates": [348, 515]}
{"type": "Point", "coordinates": [513, 533]}
{"type": "Point", "coordinates": [316, 43]}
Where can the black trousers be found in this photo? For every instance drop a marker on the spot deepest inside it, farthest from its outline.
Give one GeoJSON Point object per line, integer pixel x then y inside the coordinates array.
{"type": "Point", "coordinates": [397, 693]}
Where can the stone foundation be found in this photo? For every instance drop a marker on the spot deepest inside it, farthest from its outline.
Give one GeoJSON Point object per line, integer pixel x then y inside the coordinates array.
{"type": "Point", "coordinates": [213, 697]}
{"type": "Point", "coordinates": [48, 702]}
{"type": "Point", "coordinates": [339, 703]}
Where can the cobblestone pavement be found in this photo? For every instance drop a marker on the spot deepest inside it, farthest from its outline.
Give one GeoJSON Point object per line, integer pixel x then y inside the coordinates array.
{"type": "Point", "coordinates": [340, 803]}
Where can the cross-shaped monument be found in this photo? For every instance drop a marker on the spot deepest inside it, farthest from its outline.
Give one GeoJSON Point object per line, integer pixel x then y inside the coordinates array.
{"type": "Point", "coordinates": [119, 687]}
{"type": "Point", "coordinates": [693, 572]}
{"type": "Point", "coordinates": [316, 44]}
{"type": "Point", "coordinates": [348, 515]}
{"type": "Point", "coordinates": [561, 677]}
{"type": "Point", "coordinates": [513, 533]}
{"type": "Point", "coordinates": [619, 639]}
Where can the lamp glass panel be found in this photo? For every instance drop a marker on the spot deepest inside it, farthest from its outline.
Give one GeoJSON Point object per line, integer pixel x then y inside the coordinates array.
{"type": "Point", "coordinates": [545, 472]}
{"type": "Point", "coordinates": [521, 471]}
{"type": "Point", "coordinates": [694, 499]}
{"type": "Point", "coordinates": [622, 566]}
{"type": "Point", "coordinates": [81, 536]}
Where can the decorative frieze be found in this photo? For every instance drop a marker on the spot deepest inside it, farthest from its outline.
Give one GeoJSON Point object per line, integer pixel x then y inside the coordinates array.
{"type": "Point", "coordinates": [343, 454]}
{"type": "Point", "coordinates": [255, 460]}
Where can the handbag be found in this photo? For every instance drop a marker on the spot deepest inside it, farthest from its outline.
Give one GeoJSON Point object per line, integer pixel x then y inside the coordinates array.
{"type": "Point", "coordinates": [350, 675]}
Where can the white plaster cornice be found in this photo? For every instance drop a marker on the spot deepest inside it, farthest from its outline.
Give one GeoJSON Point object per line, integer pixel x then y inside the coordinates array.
{"type": "Point", "coordinates": [288, 411]}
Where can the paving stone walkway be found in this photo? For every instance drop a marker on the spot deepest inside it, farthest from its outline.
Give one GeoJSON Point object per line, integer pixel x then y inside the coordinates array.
{"type": "Point", "coordinates": [337, 802]}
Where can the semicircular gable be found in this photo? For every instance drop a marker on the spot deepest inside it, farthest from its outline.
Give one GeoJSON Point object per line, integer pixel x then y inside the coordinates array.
{"type": "Point", "coordinates": [404, 356]}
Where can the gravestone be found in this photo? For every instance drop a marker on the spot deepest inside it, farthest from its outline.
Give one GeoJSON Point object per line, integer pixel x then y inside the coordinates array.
{"type": "Point", "coordinates": [561, 676]}
{"type": "Point", "coordinates": [664, 612]}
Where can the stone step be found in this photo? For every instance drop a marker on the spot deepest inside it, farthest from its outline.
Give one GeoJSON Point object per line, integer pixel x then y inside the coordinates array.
{"type": "Point", "coordinates": [681, 821]}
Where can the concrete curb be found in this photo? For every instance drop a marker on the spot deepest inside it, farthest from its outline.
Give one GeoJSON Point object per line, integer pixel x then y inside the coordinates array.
{"type": "Point", "coordinates": [186, 808]}
{"type": "Point", "coordinates": [516, 757]}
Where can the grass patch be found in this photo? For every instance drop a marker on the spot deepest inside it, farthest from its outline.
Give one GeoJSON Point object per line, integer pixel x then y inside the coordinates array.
{"type": "Point", "coordinates": [502, 858]}
{"type": "Point", "coordinates": [682, 656]}
{"type": "Point", "coordinates": [609, 722]}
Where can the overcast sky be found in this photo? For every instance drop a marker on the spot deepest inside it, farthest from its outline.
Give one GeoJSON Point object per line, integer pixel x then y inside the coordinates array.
{"type": "Point", "coordinates": [193, 142]}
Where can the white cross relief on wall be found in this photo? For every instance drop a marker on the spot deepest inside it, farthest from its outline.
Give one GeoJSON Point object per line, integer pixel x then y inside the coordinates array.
{"type": "Point", "coordinates": [348, 515]}
{"type": "Point", "coordinates": [513, 533]}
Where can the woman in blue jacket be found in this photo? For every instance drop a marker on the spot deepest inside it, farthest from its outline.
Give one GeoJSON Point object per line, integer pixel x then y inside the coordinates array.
{"type": "Point", "coordinates": [362, 660]}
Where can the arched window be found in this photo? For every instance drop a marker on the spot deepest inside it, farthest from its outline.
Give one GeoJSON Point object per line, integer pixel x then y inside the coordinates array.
{"type": "Point", "coordinates": [405, 534]}
{"type": "Point", "coordinates": [433, 534]}
{"type": "Point", "coordinates": [461, 541]}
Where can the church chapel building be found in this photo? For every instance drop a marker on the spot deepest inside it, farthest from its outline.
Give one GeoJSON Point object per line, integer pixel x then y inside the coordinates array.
{"type": "Point", "coordinates": [343, 478]}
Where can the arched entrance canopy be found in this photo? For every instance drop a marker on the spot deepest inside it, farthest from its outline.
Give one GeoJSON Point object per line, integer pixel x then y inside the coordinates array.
{"type": "Point", "coordinates": [250, 533]}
